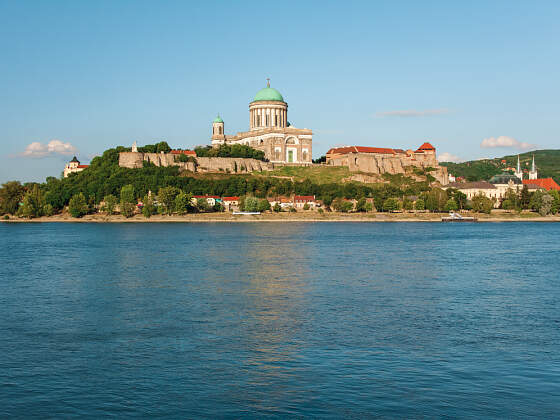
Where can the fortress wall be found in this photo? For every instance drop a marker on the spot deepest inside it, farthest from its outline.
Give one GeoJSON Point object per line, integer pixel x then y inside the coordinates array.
{"type": "Point", "coordinates": [203, 164]}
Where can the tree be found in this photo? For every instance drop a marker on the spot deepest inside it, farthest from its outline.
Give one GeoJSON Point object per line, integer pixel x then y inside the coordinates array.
{"type": "Point", "coordinates": [264, 205]}
{"type": "Point", "coordinates": [11, 194]}
{"type": "Point", "coordinates": [251, 204]}
{"type": "Point", "coordinates": [525, 197]}
{"type": "Point", "coordinates": [512, 200]}
{"type": "Point", "coordinates": [128, 201]}
{"type": "Point", "coordinates": [451, 205]}
{"type": "Point", "coordinates": [361, 205]}
{"type": "Point", "coordinates": [162, 146]}
{"type": "Point", "coordinates": [482, 204]}
{"type": "Point", "coordinates": [277, 208]}
{"type": "Point", "coordinates": [391, 204]}
{"type": "Point", "coordinates": [183, 203]}
{"type": "Point", "coordinates": [556, 201]}
{"type": "Point", "coordinates": [542, 202]}
{"type": "Point", "coordinates": [342, 205]}
{"type": "Point", "coordinates": [407, 204]}
{"type": "Point", "coordinates": [218, 207]}
{"type": "Point", "coordinates": [33, 203]}
{"type": "Point", "coordinates": [419, 204]}
{"type": "Point", "coordinates": [148, 208]}
{"type": "Point", "coordinates": [166, 198]}
{"type": "Point", "coordinates": [77, 206]}
{"type": "Point", "coordinates": [202, 204]}
{"type": "Point", "coordinates": [110, 203]}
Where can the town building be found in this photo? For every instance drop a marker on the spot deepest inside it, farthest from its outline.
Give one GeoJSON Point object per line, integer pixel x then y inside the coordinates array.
{"type": "Point", "coordinates": [269, 131]}
{"type": "Point", "coordinates": [210, 199]}
{"type": "Point", "coordinates": [231, 203]}
{"type": "Point", "coordinates": [542, 183]}
{"type": "Point", "coordinates": [301, 200]}
{"type": "Point", "coordinates": [73, 166]}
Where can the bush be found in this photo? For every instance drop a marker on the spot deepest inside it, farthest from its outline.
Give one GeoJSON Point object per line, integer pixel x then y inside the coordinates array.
{"type": "Point", "coordinates": [342, 206]}
{"type": "Point", "coordinates": [419, 205]}
{"type": "Point", "coordinates": [320, 211]}
{"type": "Point", "coordinates": [277, 208]}
{"type": "Point", "coordinates": [264, 205]}
{"type": "Point", "coordinates": [293, 210]}
{"type": "Point", "coordinates": [306, 206]}
{"type": "Point", "coordinates": [77, 207]}
{"type": "Point", "coordinates": [48, 210]}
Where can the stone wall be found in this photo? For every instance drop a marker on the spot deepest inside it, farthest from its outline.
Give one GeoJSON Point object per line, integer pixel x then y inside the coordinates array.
{"type": "Point", "coordinates": [379, 164]}
{"type": "Point", "coordinates": [202, 164]}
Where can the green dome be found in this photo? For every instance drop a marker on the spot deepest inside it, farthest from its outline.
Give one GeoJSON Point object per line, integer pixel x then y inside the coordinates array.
{"type": "Point", "coordinates": [268, 94]}
{"type": "Point", "coordinates": [218, 120]}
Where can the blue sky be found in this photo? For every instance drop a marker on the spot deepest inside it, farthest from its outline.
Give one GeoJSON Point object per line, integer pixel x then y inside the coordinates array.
{"type": "Point", "coordinates": [83, 76]}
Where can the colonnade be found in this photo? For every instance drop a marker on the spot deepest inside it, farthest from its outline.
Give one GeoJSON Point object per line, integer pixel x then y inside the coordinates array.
{"type": "Point", "coordinates": [268, 117]}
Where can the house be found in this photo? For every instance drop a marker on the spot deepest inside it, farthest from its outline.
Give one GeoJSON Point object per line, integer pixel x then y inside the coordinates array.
{"type": "Point", "coordinates": [301, 200]}
{"type": "Point", "coordinates": [210, 199]}
{"type": "Point", "coordinates": [73, 166]}
{"type": "Point", "coordinates": [230, 203]}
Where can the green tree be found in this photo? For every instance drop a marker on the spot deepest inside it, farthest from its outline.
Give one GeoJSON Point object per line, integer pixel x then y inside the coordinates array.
{"type": "Point", "coordinates": [77, 207]}
{"type": "Point", "coordinates": [525, 197]}
{"type": "Point", "coordinates": [251, 204]}
{"type": "Point", "coordinates": [162, 146]}
{"type": "Point", "coordinates": [148, 208]}
{"type": "Point", "coordinates": [451, 205]}
{"type": "Point", "coordinates": [361, 205]}
{"type": "Point", "coordinates": [166, 199]}
{"type": "Point", "coordinates": [110, 203]}
{"type": "Point", "coordinates": [277, 208]}
{"type": "Point", "coordinates": [556, 201]}
{"type": "Point", "coordinates": [183, 203]}
{"type": "Point", "coordinates": [218, 207]}
{"type": "Point", "coordinates": [128, 201]}
{"type": "Point", "coordinates": [391, 204]}
{"type": "Point", "coordinates": [419, 204]}
{"type": "Point", "coordinates": [11, 194]}
{"type": "Point", "coordinates": [407, 204]}
{"type": "Point", "coordinates": [482, 204]}
{"type": "Point", "coordinates": [264, 205]}
{"type": "Point", "coordinates": [542, 202]}
{"type": "Point", "coordinates": [202, 204]}
{"type": "Point", "coordinates": [33, 203]}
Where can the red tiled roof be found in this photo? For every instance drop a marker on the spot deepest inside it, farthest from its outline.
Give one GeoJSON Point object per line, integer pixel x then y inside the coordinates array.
{"type": "Point", "coordinates": [426, 146]}
{"type": "Point", "coordinates": [184, 152]}
{"type": "Point", "coordinates": [304, 198]}
{"type": "Point", "coordinates": [83, 166]}
{"type": "Point", "coordinates": [546, 183]}
{"type": "Point", "coordinates": [231, 199]}
{"type": "Point", "coordinates": [361, 149]}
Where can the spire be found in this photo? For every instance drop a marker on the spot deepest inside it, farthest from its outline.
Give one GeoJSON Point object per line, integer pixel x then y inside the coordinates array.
{"type": "Point", "coordinates": [533, 168]}
{"type": "Point", "coordinates": [518, 165]}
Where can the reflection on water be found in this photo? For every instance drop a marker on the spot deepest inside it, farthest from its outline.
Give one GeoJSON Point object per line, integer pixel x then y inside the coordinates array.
{"type": "Point", "coordinates": [279, 319]}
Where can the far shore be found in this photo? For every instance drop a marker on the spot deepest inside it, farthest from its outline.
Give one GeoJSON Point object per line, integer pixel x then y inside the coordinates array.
{"type": "Point", "coordinates": [498, 216]}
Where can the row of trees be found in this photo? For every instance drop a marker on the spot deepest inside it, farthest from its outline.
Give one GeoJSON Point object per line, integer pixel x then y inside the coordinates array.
{"type": "Point", "coordinates": [232, 151]}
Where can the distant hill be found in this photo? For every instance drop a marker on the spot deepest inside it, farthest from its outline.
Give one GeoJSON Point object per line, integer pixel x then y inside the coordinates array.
{"type": "Point", "coordinates": [547, 161]}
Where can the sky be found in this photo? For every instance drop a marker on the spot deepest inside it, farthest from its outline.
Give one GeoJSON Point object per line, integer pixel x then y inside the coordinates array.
{"type": "Point", "coordinates": [476, 79]}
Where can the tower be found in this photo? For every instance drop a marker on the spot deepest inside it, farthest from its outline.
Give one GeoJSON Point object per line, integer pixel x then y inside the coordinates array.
{"type": "Point", "coordinates": [268, 110]}
{"type": "Point", "coordinates": [533, 174]}
{"type": "Point", "coordinates": [518, 172]}
{"type": "Point", "coordinates": [218, 136]}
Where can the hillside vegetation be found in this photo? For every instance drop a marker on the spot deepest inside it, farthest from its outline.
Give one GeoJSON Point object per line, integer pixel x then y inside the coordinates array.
{"type": "Point", "coordinates": [547, 161]}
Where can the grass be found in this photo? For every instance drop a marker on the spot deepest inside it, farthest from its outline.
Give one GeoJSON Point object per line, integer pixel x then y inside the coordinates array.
{"type": "Point", "coordinates": [316, 174]}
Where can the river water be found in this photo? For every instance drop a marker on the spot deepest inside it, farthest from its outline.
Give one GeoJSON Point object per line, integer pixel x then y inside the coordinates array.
{"type": "Point", "coordinates": [280, 320]}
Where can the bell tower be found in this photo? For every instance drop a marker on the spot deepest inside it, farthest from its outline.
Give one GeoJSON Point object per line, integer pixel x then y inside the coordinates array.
{"type": "Point", "coordinates": [533, 174]}
{"type": "Point", "coordinates": [218, 136]}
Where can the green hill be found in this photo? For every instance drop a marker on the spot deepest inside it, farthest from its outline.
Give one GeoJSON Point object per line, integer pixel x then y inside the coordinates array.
{"type": "Point", "coordinates": [547, 161]}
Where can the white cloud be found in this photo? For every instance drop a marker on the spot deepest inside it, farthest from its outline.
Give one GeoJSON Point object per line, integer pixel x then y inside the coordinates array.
{"type": "Point", "coordinates": [448, 157]}
{"type": "Point", "coordinates": [53, 147]}
{"type": "Point", "coordinates": [412, 113]}
{"type": "Point", "coordinates": [505, 141]}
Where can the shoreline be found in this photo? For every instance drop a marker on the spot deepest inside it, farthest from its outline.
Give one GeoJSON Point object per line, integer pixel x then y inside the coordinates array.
{"type": "Point", "coordinates": [285, 218]}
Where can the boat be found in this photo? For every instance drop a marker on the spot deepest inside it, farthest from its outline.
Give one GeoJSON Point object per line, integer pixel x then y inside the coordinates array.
{"type": "Point", "coordinates": [456, 217]}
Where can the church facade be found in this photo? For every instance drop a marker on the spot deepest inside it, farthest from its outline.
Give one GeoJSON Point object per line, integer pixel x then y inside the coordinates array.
{"type": "Point", "coordinates": [269, 131]}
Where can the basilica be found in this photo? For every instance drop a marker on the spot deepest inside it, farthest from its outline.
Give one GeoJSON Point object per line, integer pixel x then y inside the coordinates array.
{"type": "Point", "coordinates": [269, 131]}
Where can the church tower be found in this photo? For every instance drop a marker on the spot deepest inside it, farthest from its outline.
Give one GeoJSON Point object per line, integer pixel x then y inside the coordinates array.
{"type": "Point", "coordinates": [218, 136]}
{"type": "Point", "coordinates": [533, 174]}
{"type": "Point", "coordinates": [518, 172]}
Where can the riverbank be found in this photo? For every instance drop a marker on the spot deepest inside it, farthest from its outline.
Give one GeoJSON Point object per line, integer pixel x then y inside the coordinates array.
{"type": "Point", "coordinates": [285, 217]}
